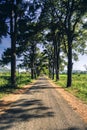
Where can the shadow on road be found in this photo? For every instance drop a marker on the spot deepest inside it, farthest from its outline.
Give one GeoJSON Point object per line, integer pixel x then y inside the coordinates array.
{"type": "Point", "coordinates": [42, 86]}
{"type": "Point", "coordinates": [24, 110]}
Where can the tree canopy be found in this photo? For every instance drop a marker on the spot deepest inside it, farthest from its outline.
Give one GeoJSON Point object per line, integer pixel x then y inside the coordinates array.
{"type": "Point", "coordinates": [57, 25]}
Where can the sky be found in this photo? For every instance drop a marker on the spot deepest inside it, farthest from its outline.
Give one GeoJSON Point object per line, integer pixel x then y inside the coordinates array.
{"type": "Point", "coordinates": [5, 43]}
{"type": "Point", "coordinates": [79, 65]}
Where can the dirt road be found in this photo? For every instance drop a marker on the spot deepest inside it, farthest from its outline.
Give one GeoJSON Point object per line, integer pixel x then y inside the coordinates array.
{"type": "Point", "coordinates": [41, 108]}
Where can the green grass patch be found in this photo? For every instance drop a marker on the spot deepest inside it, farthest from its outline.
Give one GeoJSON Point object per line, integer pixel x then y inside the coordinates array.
{"type": "Point", "coordinates": [23, 79]}
{"type": "Point", "coordinates": [5, 86]}
{"type": "Point", "coordinates": [79, 85]}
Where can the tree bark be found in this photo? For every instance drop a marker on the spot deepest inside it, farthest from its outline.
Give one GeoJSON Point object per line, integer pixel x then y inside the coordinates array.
{"type": "Point", "coordinates": [57, 54]}
{"type": "Point", "coordinates": [32, 73]}
{"type": "Point", "coordinates": [53, 71]}
{"type": "Point", "coordinates": [49, 69]}
{"type": "Point", "coordinates": [13, 62]}
{"type": "Point", "coordinates": [69, 67]}
{"type": "Point", "coordinates": [13, 27]}
{"type": "Point", "coordinates": [33, 50]}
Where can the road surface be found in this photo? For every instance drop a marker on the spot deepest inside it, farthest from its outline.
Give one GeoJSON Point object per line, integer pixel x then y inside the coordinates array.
{"type": "Point", "coordinates": [41, 108]}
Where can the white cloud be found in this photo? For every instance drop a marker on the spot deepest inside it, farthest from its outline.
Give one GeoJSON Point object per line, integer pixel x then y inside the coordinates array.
{"type": "Point", "coordinates": [79, 65]}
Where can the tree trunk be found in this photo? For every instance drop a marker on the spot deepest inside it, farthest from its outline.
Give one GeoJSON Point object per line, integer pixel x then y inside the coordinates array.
{"type": "Point", "coordinates": [33, 60]}
{"type": "Point", "coordinates": [32, 73]}
{"type": "Point", "coordinates": [53, 71]}
{"type": "Point", "coordinates": [35, 74]}
{"type": "Point", "coordinates": [13, 62]}
{"type": "Point", "coordinates": [49, 70]}
{"type": "Point", "coordinates": [58, 57]}
{"type": "Point", "coordinates": [57, 52]}
{"type": "Point", "coordinates": [69, 67]}
{"type": "Point", "coordinates": [57, 71]}
{"type": "Point", "coordinates": [53, 62]}
{"type": "Point", "coordinates": [56, 68]}
{"type": "Point", "coordinates": [13, 47]}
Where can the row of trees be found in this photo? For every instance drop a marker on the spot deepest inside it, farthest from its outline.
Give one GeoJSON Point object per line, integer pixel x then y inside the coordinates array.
{"type": "Point", "coordinates": [17, 19]}
{"type": "Point", "coordinates": [57, 25]}
{"type": "Point", "coordinates": [64, 20]}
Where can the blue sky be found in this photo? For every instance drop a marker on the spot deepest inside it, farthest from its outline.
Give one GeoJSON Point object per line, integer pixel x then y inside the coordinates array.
{"type": "Point", "coordinates": [79, 65]}
{"type": "Point", "coordinates": [4, 44]}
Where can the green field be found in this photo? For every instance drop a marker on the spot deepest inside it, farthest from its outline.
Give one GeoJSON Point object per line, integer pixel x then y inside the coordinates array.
{"type": "Point", "coordinates": [79, 85]}
{"type": "Point", "coordinates": [5, 86]}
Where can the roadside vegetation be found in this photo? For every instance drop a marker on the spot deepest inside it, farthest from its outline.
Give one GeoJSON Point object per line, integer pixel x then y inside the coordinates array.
{"type": "Point", "coordinates": [5, 85]}
{"type": "Point", "coordinates": [79, 85]}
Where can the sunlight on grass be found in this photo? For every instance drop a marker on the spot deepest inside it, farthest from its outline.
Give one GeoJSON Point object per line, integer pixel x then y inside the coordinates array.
{"type": "Point", "coordinates": [79, 85]}
{"type": "Point", "coordinates": [5, 86]}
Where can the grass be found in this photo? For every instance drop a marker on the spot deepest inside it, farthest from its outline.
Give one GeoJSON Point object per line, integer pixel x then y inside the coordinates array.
{"type": "Point", "coordinates": [5, 86]}
{"type": "Point", "coordinates": [23, 79]}
{"type": "Point", "coordinates": [79, 85]}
